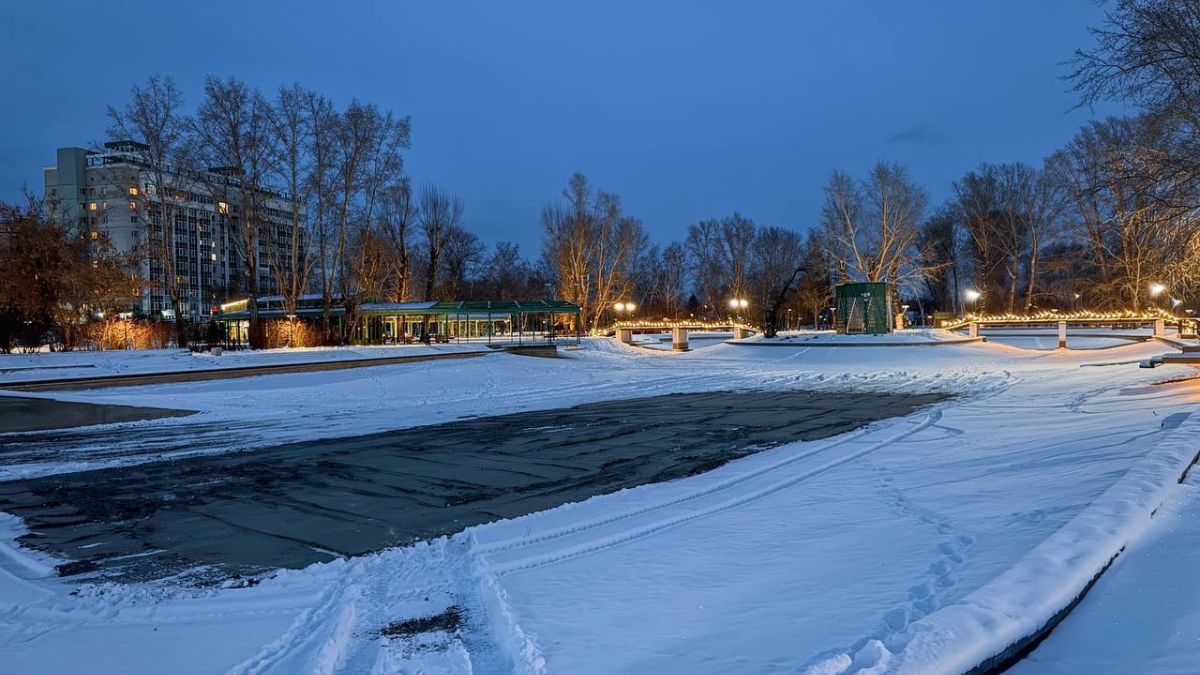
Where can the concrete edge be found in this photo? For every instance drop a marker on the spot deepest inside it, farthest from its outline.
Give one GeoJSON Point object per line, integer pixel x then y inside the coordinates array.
{"type": "Point", "coordinates": [207, 374]}
{"type": "Point", "coordinates": [1170, 341]}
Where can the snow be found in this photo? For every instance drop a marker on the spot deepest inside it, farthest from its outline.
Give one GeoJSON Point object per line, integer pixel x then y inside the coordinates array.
{"type": "Point", "coordinates": [828, 338]}
{"type": "Point", "coordinates": [16, 368]}
{"type": "Point", "coordinates": [1144, 614]}
{"type": "Point", "coordinates": [921, 544]}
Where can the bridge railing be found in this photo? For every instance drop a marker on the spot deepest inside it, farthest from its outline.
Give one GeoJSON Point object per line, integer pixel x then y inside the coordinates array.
{"type": "Point", "coordinates": [690, 325]}
{"type": "Point", "coordinates": [1097, 317]}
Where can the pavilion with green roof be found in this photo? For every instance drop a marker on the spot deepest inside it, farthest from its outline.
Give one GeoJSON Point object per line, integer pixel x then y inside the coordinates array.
{"type": "Point", "coordinates": [516, 321]}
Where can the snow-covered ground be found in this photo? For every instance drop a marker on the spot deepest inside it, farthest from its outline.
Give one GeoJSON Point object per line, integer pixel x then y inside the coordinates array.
{"type": "Point", "coordinates": [1143, 616]}
{"type": "Point", "coordinates": [55, 365]}
{"type": "Point", "coordinates": [828, 338]}
{"type": "Point", "coordinates": [915, 545]}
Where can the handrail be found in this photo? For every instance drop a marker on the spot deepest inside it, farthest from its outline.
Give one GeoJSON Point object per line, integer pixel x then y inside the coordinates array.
{"type": "Point", "coordinates": [1116, 316]}
{"type": "Point", "coordinates": [691, 325]}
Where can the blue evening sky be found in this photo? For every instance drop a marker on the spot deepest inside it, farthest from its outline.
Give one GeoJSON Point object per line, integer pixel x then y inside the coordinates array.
{"type": "Point", "coordinates": [687, 110]}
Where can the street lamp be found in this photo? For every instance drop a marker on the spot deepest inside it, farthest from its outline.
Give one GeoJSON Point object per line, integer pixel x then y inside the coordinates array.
{"type": "Point", "coordinates": [626, 307]}
{"type": "Point", "coordinates": [1156, 289]}
{"type": "Point", "coordinates": [972, 296]}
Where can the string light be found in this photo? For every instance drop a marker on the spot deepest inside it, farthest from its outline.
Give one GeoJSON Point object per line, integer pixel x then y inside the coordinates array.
{"type": "Point", "coordinates": [703, 325]}
{"type": "Point", "coordinates": [1054, 316]}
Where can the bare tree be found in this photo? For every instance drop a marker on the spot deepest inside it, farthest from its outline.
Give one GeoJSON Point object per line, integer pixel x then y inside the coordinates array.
{"type": "Point", "coordinates": [324, 121]}
{"type": "Point", "coordinates": [440, 213]}
{"type": "Point", "coordinates": [461, 255]}
{"type": "Point", "coordinates": [939, 244]}
{"type": "Point", "coordinates": [153, 118]}
{"type": "Point", "coordinates": [291, 259]}
{"type": "Point", "coordinates": [592, 248]}
{"type": "Point", "coordinates": [737, 241]}
{"type": "Point", "coordinates": [233, 130]}
{"type": "Point", "coordinates": [1043, 205]}
{"type": "Point", "coordinates": [814, 289]}
{"type": "Point", "coordinates": [400, 217]}
{"type": "Point", "coordinates": [1148, 52]}
{"type": "Point", "coordinates": [778, 256]}
{"type": "Point", "coordinates": [703, 245]}
{"type": "Point", "coordinates": [659, 277]}
{"type": "Point", "coordinates": [365, 146]}
{"type": "Point", "coordinates": [1134, 218]}
{"type": "Point", "coordinates": [871, 226]}
{"type": "Point", "coordinates": [383, 138]}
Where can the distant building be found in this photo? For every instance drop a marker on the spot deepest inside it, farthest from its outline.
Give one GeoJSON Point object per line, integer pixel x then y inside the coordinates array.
{"type": "Point", "coordinates": [112, 191]}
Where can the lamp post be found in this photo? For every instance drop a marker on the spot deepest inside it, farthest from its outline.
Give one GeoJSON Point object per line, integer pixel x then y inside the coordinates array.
{"type": "Point", "coordinates": [1156, 289]}
{"type": "Point", "coordinates": [738, 305]}
{"type": "Point", "coordinates": [972, 296]}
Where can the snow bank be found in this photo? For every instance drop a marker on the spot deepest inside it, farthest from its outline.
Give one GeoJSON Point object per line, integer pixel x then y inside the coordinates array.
{"type": "Point", "coordinates": [1013, 608]}
{"type": "Point", "coordinates": [910, 336]}
{"type": "Point", "coordinates": [18, 368]}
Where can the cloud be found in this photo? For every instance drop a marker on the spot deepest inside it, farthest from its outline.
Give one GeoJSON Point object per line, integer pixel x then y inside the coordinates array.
{"type": "Point", "coordinates": [916, 134]}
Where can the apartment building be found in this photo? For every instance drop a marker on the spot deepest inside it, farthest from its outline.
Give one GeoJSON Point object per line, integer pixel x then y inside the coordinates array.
{"type": "Point", "coordinates": [112, 191]}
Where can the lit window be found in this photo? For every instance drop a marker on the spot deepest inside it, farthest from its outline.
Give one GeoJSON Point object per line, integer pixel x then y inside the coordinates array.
{"type": "Point", "coordinates": [95, 234]}
{"type": "Point", "coordinates": [92, 206]}
{"type": "Point", "coordinates": [222, 207]}
{"type": "Point", "coordinates": [133, 206]}
{"type": "Point", "coordinates": [214, 256]}
{"type": "Point", "coordinates": [133, 192]}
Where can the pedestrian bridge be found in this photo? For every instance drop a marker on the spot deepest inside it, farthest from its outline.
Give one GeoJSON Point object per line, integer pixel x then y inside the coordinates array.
{"type": "Point", "coordinates": [1159, 321]}
{"type": "Point", "coordinates": [679, 330]}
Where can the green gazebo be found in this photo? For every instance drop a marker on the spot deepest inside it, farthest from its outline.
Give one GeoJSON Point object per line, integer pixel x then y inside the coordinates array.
{"type": "Point", "coordinates": [864, 308]}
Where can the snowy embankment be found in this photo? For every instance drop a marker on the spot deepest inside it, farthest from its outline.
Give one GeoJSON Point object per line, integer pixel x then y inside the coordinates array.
{"type": "Point", "coordinates": [1143, 615]}
{"type": "Point", "coordinates": [919, 544]}
{"type": "Point", "coordinates": [988, 626]}
{"type": "Point", "coordinates": [16, 368]}
{"type": "Point", "coordinates": [826, 338]}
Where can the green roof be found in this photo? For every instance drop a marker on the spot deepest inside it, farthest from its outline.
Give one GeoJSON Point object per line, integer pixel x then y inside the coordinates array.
{"type": "Point", "coordinates": [529, 306]}
{"type": "Point", "coordinates": [440, 308]}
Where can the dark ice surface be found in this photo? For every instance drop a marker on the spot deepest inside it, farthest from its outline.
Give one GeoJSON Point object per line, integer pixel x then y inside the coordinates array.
{"type": "Point", "coordinates": [243, 513]}
{"type": "Point", "coordinates": [22, 413]}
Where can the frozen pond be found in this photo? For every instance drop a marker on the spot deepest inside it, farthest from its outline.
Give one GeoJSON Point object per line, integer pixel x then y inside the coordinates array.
{"type": "Point", "coordinates": [23, 413]}
{"type": "Point", "coordinates": [292, 505]}
{"type": "Point", "coordinates": [696, 340]}
{"type": "Point", "coordinates": [1082, 338]}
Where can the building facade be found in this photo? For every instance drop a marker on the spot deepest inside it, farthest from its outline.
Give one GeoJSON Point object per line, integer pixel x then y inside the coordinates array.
{"type": "Point", "coordinates": [112, 191]}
